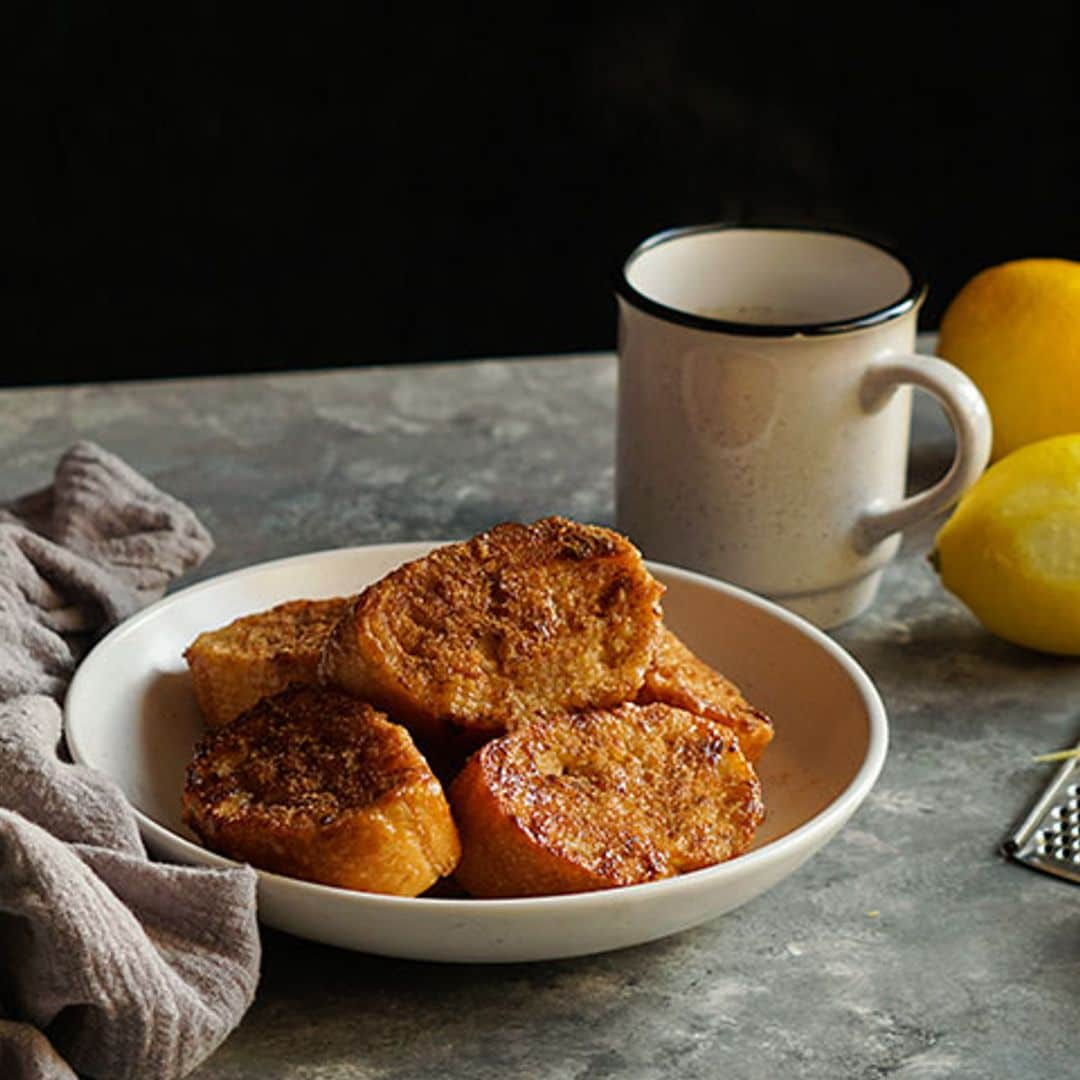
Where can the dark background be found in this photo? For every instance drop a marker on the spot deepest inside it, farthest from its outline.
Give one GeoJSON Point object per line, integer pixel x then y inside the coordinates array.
{"type": "Point", "coordinates": [203, 188]}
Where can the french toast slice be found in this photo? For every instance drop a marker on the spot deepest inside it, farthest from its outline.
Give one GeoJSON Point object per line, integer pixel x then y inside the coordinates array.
{"type": "Point", "coordinates": [678, 677]}
{"type": "Point", "coordinates": [259, 655]}
{"type": "Point", "coordinates": [602, 798]}
{"type": "Point", "coordinates": [315, 784]}
{"type": "Point", "coordinates": [520, 621]}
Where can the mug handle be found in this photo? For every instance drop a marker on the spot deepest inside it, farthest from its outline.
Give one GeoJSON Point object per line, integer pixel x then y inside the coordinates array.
{"type": "Point", "coordinates": [970, 419]}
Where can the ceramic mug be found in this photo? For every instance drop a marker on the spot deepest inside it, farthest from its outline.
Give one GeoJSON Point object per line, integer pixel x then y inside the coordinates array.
{"type": "Point", "coordinates": [764, 410]}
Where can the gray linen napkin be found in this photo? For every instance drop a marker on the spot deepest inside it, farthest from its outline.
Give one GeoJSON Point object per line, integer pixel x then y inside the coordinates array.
{"type": "Point", "coordinates": [110, 965]}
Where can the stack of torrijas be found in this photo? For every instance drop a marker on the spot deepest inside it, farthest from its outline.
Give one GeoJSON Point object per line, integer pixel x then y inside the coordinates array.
{"type": "Point", "coordinates": [527, 674]}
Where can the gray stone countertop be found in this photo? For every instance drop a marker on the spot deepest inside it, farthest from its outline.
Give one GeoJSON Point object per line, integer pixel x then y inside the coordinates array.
{"type": "Point", "coordinates": [907, 948]}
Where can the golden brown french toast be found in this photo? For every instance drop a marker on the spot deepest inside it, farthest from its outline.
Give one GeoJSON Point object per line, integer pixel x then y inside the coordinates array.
{"type": "Point", "coordinates": [602, 798]}
{"type": "Point", "coordinates": [258, 655]}
{"type": "Point", "coordinates": [520, 621]}
{"type": "Point", "coordinates": [678, 677]}
{"type": "Point", "coordinates": [317, 785]}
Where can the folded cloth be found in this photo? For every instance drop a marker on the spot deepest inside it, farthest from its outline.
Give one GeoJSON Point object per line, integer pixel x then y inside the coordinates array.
{"type": "Point", "coordinates": [111, 965]}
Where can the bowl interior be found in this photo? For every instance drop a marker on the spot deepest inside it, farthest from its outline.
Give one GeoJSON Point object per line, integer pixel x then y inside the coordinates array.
{"type": "Point", "coordinates": [132, 714]}
{"type": "Point", "coordinates": [819, 712]}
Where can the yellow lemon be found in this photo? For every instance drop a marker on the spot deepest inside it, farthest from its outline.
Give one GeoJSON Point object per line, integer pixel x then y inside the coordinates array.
{"type": "Point", "coordinates": [1014, 329]}
{"type": "Point", "coordinates": [1011, 550]}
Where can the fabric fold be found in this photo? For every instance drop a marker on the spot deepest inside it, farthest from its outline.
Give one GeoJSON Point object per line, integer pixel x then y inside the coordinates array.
{"type": "Point", "coordinates": [111, 965]}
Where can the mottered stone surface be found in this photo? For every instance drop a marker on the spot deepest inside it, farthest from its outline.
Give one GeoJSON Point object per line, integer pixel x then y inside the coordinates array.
{"type": "Point", "coordinates": [907, 948]}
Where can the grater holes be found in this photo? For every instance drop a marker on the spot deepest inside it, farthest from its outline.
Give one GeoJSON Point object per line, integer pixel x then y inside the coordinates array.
{"type": "Point", "coordinates": [1059, 837]}
{"type": "Point", "coordinates": [1061, 840]}
{"type": "Point", "coordinates": [1053, 845]}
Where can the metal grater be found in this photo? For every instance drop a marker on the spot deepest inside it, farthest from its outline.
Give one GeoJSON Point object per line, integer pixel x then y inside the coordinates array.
{"type": "Point", "coordinates": [1048, 839]}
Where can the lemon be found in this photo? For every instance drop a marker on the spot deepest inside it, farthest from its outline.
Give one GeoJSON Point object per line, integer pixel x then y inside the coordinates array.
{"type": "Point", "coordinates": [1011, 550]}
{"type": "Point", "coordinates": [1014, 329]}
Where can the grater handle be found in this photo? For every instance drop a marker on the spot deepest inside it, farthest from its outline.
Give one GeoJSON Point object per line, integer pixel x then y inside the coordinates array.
{"type": "Point", "coordinates": [1023, 832]}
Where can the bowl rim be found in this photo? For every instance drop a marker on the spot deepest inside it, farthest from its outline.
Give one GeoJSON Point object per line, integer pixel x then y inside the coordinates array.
{"type": "Point", "coordinates": [825, 821]}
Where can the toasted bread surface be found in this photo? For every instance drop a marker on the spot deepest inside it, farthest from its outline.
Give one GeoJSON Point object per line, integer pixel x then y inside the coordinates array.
{"type": "Point", "coordinates": [677, 677]}
{"type": "Point", "coordinates": [520, 621]}
{"type": "Point", "coordinates": [258, 655]}
{"type": "Point", "coordinates": [317, 785]}
{"type": "Point", "coordinates": [602, 798]}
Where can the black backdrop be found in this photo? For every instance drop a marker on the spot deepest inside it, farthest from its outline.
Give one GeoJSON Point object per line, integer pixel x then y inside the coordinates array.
{"type": "Point", "coordinates": [201, 188]}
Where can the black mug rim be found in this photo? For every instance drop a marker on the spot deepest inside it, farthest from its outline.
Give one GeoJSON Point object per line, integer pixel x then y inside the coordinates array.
{"type": "Point", "coordinates": [909, 301]}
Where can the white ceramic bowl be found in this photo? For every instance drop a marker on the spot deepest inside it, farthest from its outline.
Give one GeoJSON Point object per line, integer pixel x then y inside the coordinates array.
{"type": "Point", "coordinates": [131, 714]}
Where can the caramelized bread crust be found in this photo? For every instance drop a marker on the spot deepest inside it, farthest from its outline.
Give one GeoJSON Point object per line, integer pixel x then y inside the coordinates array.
{"type": "Point", "coordinates": [602, 798]}
{"type": "Point", "coordinates": [678, 677]}
{"type": "Point", "coordinates": [315, 784]}
{"type": "Point", "coordinates": [520, 621]}
{"type": "Point", "coordinates": [258, 655]}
